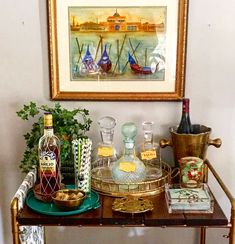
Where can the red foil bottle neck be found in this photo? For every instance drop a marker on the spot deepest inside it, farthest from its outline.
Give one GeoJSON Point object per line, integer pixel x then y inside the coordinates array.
{"type": "Point", "coordinates": [185, 105]}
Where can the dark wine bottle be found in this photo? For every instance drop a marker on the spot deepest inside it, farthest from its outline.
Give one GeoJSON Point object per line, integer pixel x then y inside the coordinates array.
{"type": "Point", "coordinates": [185, 126]}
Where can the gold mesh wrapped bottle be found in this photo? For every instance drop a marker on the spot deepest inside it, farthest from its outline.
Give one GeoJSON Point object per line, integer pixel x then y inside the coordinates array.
{"type": "Point", "coordinates": [49, 158]}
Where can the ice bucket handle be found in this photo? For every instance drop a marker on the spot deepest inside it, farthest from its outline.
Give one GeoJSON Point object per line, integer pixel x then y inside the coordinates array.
{"type": "Point", "coordinates": [165, 143]}
{"type": "Point", "coordinates": [211, 142]}
{"type": "Point", "coordinates": [215, 142]}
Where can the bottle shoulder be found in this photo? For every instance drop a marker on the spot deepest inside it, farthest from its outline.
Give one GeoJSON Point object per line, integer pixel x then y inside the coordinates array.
{"type": "Point", "coordinates": [147, 146]}
{"type": "Point", "coordinates": [129, 158]}
{"type": "Point", "coordinates": [148, 152]}
{"type": "Point", "coordinates": [184, 125]}
{"type": "Point", "coordinates": [49, 140]}
{"type": "Point", "coordinates": [104, 147]}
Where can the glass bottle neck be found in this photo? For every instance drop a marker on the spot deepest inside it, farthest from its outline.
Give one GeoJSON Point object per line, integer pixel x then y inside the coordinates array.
{"type": "Point", "coordinates": [148, 134]}
{"type": "Point", "coordinates": [107, 136]}
{"type": "Point", "coordinates": [185, 106]}
{"type": "Point", "coordinates": [48, 131]}
{"type": "Point", "coordinates": [107, 125]}
{"type": "Point", "coordinates": [148, 137]}
{"type": "Point", "coordinates": [148, 141]}
{"type": "Point", "coordinates": [129, 148]}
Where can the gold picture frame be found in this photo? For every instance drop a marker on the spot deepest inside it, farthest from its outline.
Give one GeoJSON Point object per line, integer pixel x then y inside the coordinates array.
{"type": "Point", "coordinates": [79, 34]}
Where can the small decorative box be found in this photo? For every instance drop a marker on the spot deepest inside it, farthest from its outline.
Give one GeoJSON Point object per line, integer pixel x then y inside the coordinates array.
{"type": "Point", "coordinates": [189, 200]}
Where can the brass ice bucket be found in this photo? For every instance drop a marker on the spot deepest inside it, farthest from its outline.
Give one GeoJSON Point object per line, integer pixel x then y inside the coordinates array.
{"type": "Point", "coordinates": [195, 144]}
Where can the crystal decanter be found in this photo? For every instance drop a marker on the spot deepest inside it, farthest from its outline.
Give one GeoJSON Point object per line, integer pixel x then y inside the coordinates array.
{"type": "Point", "coordinates": [149, 152]}
{"type": "Point", "coordinates": [129, 168]}
{"type": "Point", "coordinates": [105, 153]}
{"type": "Point", "coordinates": [106, 149]}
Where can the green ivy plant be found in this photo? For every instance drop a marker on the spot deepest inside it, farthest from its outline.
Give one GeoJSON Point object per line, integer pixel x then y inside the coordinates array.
{"type": "Point", "coordinates": [68, 125]}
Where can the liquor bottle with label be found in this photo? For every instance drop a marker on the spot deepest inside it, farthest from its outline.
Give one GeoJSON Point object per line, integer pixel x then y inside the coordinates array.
{"type": "Point", "coordinates": [185, 126]}
{"type": "Point", "coordinates": [106, 152]}
{"type": "Point", "coordinates": [149, 152]}
{"type": "Point", "coordinates": [129, 168]}
{"type": "Point", "coordinates": [49, 158]}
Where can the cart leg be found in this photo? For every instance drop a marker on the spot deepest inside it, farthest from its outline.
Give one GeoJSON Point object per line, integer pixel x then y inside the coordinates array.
{"type": "Point", "coordinates": [232, 228]}
{"type": "Point", "coordinates": [231, 235]}
{"type": "Point", "coordinates": [203, 235]}
{"type": "Point", "coordinates": [14, 223]}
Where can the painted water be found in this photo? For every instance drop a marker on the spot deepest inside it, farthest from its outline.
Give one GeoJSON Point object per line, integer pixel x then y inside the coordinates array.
{"type": "Point", "coordinates": [148, 49]}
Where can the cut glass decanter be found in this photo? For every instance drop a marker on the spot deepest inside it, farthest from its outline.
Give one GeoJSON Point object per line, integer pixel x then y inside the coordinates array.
{"type": "Point", "coordinates": [149, 152]}
{"type": "Point", "coordinates": [105, 153]}
{"type": "Point", "coordinates": [129, 168]}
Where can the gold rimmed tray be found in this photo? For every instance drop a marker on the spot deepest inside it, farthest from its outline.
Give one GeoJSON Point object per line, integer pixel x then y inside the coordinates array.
{"type": "Point", "coordinates": [101, 181]}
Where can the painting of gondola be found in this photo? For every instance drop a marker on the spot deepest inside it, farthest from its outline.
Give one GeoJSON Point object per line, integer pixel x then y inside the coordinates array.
{"type": "Point", "coordinates": [116, 37]}
{"type": "Point", "coordinates": [137, 69]}
{"type": "Point", "coordinates": [105, 63]}
{"type": "Point", "coordinates": [88, 66]}
{"type": "Point", "coordinates": [117, 50]}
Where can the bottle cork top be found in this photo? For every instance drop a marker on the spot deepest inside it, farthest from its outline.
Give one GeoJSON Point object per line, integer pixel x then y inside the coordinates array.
{"type": "Point", "coordinates": [48, 121]}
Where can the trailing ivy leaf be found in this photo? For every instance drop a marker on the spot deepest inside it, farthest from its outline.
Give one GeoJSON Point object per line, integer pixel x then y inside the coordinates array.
{"type": "Point", "coordinates": [33, 109]}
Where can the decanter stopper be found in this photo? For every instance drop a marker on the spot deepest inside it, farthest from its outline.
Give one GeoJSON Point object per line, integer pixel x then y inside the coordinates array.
{"type": "Point", "coordinates": [129, 131]}
{"type": "Point", "coordinates": [107, 125]}
{"type": "Point", "coordinates": [148, 132]}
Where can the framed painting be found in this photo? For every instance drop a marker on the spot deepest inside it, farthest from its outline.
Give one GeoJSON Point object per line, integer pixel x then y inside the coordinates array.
{"type": "Point", "coordinates": [122, 50]}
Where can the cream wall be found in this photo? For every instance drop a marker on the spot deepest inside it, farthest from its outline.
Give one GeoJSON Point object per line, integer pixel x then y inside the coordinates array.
{"type": "Point", "coordinates": [210, 83]}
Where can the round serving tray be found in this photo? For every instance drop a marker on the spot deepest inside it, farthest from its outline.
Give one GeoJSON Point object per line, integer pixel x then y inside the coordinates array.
{"type": "Point", "coordinates": [102, 182]}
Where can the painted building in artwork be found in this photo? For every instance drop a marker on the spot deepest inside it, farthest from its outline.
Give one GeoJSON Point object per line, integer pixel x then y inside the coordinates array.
{"type": "Point", "coordinates": [117, 23]}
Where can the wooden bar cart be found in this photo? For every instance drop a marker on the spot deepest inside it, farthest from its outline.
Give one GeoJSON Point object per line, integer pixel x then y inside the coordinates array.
{"type": "Point", "coordinates": [24, 220]}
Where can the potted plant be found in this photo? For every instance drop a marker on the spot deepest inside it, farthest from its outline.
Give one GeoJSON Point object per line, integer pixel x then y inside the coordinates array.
{"type": "Point", "coordinates": [68, 125]}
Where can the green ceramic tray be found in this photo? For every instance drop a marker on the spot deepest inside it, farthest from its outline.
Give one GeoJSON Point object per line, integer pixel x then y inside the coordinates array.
{"type": "Point", "coordinates": [90, 202]}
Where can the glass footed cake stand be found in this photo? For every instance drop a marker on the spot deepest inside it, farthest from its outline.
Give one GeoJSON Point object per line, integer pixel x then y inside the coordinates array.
{"type": "Point", "coordinates": [102, 181]}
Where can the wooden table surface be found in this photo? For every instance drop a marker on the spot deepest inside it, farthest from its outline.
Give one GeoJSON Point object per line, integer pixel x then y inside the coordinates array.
{"type": "Point", "coordinates": [104, 216]}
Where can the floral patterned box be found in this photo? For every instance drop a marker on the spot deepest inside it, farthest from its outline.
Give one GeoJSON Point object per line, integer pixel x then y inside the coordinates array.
{"type": "Point", "coordinates": [189, 200]}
